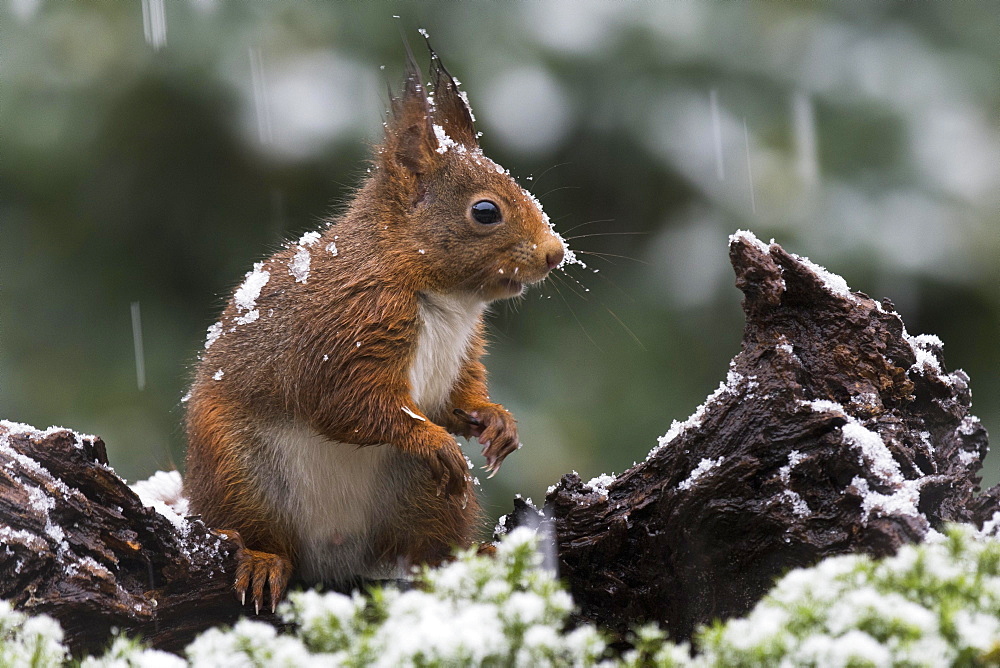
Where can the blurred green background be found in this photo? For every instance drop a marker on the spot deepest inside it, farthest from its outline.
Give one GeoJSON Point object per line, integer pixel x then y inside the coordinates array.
{"type": "Point", "coordinates": [150, 151]}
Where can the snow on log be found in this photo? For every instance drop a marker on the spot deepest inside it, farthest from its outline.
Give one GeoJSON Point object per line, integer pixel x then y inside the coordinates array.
{"type": "Point", "coordinates": [79, 544]}
{"type": "Point", "coordinates": [835, 431]}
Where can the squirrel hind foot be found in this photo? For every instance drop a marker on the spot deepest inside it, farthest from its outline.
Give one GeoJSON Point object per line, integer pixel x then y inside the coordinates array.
{"type": "Point", "coordinates": [256, 570]}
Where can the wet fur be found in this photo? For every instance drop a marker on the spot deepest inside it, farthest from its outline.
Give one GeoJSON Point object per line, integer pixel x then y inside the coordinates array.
{"type": "Point", "coordinates": [302, 446]}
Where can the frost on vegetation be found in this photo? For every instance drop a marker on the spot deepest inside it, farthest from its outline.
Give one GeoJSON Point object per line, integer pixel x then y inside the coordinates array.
{"type": "Point", "coordinates": [475, 611]}
{"type": "Point", "coordinates": [129, 653]}
{"type": "Point", "coordinates": [930, 605]}
{"type": "Point", "coordinates": [30, 641]}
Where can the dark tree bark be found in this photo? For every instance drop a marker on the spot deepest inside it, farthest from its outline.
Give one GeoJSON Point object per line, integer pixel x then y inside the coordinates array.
{"type": "Point", "coordinates": [834, 432]}
{"type": "Point", "coordinates": [79, 545]}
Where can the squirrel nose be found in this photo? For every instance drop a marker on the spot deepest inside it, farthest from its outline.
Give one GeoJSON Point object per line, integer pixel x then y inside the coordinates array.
{"type": "Point", "coordinates": [553, 258]}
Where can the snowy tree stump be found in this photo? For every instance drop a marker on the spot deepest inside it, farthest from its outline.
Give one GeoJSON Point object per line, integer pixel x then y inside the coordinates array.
{"type": "Point", "coordinates": [834, 432]}
{"type": "Point", "coordinates": [80, 545]}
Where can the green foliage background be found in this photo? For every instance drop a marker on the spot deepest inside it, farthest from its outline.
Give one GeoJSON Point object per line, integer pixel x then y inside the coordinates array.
{"type": "Point", "coordinates": [863, 135]}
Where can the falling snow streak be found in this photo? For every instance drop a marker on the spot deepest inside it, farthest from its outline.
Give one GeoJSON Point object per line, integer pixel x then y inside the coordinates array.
{"type": "Point", "coordinates": [154, 23]}
{"type": "Point", "coordinates": [260, 97]}
{"type": "Point", "coordinates": [140, 356]}
{"type": "Point", "coordinates": [746, 145]}
{"type": "Point", "coordinates": [713, 100]}
{"type": "Point", "coordinates": [804, 133]}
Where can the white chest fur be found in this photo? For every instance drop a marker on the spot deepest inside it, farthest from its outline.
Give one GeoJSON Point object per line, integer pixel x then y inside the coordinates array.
{"type": "Point", "coordinates": [336, 496]}
{"type": "Point", "coordinates": [446, 324]}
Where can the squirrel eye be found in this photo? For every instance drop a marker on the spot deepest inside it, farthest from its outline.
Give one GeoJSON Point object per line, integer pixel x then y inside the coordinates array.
{"type": "Point", "coordinates": [486, 212]}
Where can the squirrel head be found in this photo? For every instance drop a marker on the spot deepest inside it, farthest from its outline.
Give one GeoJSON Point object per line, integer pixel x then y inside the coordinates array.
{"type": "Point", "coordinates": [472, 227]}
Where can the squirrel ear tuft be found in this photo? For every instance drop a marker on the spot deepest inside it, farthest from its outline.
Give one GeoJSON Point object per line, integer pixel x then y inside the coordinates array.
{"type": "Point", "coordinates": [410, 140]}
{"type": "Point", "coordinates": [419, 117]}
{"type": "Point", "coordinates": [451, 108]}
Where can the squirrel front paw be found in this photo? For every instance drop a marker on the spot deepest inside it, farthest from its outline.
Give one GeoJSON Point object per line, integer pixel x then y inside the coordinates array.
{"type": "Point", "coordinates": [496, 430]}
{"type": "Point", "coordinates": [449, 466]}
{"type": "Point", "coordinates": [255, 570]}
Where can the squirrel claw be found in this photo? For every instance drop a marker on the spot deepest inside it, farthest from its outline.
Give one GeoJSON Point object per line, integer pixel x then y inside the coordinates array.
{"type": "Point", "coordinates": [255, 569]}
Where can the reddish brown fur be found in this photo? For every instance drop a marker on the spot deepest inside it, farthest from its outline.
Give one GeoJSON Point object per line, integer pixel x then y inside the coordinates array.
{"type": "Point", "coordinates": [416, 198]}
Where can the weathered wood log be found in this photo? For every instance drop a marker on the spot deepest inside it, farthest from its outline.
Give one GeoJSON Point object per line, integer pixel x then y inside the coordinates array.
{"type": "Point", "coordinates": [79, 545]}
{"type": "Point", "coordinates": [834, 432]}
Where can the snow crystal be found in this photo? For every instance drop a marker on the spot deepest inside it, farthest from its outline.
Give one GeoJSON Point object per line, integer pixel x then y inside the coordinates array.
{"type": "Point", "coordinates": [23, 537]}
{"type": "Point", "coordinates": [214, 332]}
{"type": "Point", "coordinates": [332, 248]}
{"type": "Point", "coordinates": [968, 457]}
{"type": "Point", "coordinates": [413, 415]}
{"type": "Point", "coordinates": [445, 142]}
{"type": "Point", "coordinates": [968, 425]}
{"type": "Point", "coordinates": [833, 283]}
{"type": "Point", "coordinates": [251, 316]}
{"type": "Point", "coordinates": [246, 295]}
{"type": "Point", "coordinates": [600, 483]}
{"type": "Point", "coordinates": [925, 347]}
{"type": "Point", "coordinates": [901, 502]}
{"type": "Point", "coordinates": [309, 239]}
{"type": "Point", "coordinates": [569, 257]}
{"type": "Point", "coordinates": [866, 400]}
{"type": "Point", "coordinates": [465, 99]}
{"type": "Point", "coordinates": [218, 375]}
{"type": "Point", "coordinates": [704, 466]}
{"type": "Point", "coordinates": [677, 428]}
{"type": "Point", "coordinates": [298, 266]}
{"type": "Point", "coordinates": [165, 487]}
{"type": "Point", "coordinates": [824, 406]}
{"type": "Point", "coordinates": [799, 506]}
{"type": "Point", "coordinates": [750, 238]}
{"type": "Point", "coordinates": [873, 449]}
{"type": "Point", "coordinates": [42, 504]}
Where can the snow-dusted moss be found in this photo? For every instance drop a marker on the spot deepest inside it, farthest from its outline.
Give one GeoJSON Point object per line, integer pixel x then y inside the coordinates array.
{"type": "Point", "coordinates": [475, 611]}
{"type": "Point", "coordinates": [930, 605]}
{"type": "Point", "coordinates": [29, 641]}
{"type": "Point", "coordinates": [936, 604]}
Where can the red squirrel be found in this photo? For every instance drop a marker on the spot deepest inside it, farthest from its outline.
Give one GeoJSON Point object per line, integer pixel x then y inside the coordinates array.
{"type": "Point", "coordinates": [321, 418]}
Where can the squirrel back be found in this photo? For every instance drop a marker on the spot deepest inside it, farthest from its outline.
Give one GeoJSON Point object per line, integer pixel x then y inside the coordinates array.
{"type": "Point", "coordinates": [321, 416]}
